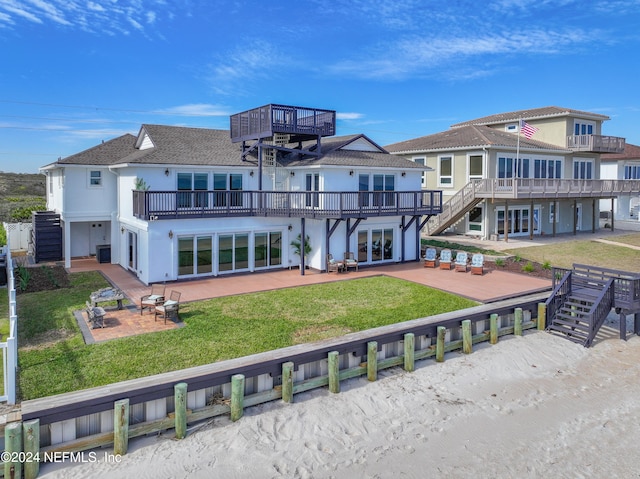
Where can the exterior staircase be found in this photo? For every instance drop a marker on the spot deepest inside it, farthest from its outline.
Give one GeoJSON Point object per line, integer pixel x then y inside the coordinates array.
{"type": "Point", "coordinates": [271, 168]}
{"type": "Point", "coordinates": [454, 209]}
{"type": "Point", "coordinates": [579, 304]}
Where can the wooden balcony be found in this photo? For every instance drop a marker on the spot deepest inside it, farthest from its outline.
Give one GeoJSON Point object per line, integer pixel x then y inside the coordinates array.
{"type": "Point", "coordinates": [163, 205]}
{"type": "Point", "coordinates": [301, 123]}
{"type": "Point", "coordinates": [523, 188]}
{"type": "Point", "coordinates": [596, 143]}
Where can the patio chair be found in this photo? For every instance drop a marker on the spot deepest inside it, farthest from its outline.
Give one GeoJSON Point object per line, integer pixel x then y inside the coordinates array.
{"type": "Point", "coordinates": [477, 264]}
{"type": "Point", "coordinates": [445, 259]}
{"type": "Point", "coordinates": [333, 265]}
{"type": "Point", "coordinates": [461, 261]}
{"type": "Point", "coordinates": [350, 261]}
{"type": "Point", "coordinates": [170, 308]}
{"type": "Point", "coordinates": [96, 315]}
{"type": "Point", "coordinates": [150, 301]}
{"type": "Point", "coordinates": [430, 258]}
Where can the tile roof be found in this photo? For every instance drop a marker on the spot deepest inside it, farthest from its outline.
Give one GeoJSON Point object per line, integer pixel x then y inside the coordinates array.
{"type": "Point", "coordinates": [531, 114]}
{"type": "Point", "coordinates": [631, 152]}
{"type": "Point", "coordinates": [468, 137]}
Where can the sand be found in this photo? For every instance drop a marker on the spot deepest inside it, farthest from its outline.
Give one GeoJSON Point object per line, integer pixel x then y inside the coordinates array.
{"type": "Point", "coordinates": [530, 406]}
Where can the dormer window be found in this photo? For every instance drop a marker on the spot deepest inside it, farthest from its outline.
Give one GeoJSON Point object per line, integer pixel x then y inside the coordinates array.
{"type": "Point", "coordinates": [511, 128]}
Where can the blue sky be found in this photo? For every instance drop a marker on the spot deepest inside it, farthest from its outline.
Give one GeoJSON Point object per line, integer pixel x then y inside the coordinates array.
{"type": "Point", "coordinates": [76, 72]}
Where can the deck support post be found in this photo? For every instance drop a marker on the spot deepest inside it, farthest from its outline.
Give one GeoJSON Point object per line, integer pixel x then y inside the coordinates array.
{"type": "Point", "coordinates": [440, 336]}
{"type": "Point", "coordinates": [237, 396]}
{"type": "Point", "coordinates": [31, 434]}
{"type": "Point", "coordinates": [13, 444]}
{"type": "Point", "coordinates": [287, 382]}
{"type": "Point", "coordinates": [180, 403]}
{"type": "Point", "coordinates": [542, 316]}
{"type": "Point", "coordinates": [493, 328]}
{"type": "Point", "coordinates": [517, 322]}
{"type": "Point", "coordinates": [121, 427]}
{"type": "Point", "coordinates": [467, 339]}
{"type": "Point", "coordinates": [372, 360]}
{"type": "Point", "coordinates": [334, 372]}
{"type": "Point", "coordinates": [409, 352]}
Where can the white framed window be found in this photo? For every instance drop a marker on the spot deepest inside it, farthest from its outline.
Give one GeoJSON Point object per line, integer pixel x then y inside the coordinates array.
{"type": "Point", "coordinates": [511, 127]}
{"type": "Point", "coordinates": [422, 161]}
{"type": "Point", "coordinates": [632, 172]}
{"type": "Point", "coordinates": [445, 170]}
{"type": "Point", "coordinates": [552, 213]}
{"type": "Point", "coordinates": [583, 169]}
{"type": "Point", "coordinates": [547, 168]}
{"type": "Point", "coordinates": [476, 166]}
{"type": "Point", "coordinates": [582, 127]}
{"type": "Point", "coordinates": [95, 178]}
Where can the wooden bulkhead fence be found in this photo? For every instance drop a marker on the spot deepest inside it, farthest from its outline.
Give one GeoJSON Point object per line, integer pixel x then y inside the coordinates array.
{"type": "Point", "coordinates": [112, 414]}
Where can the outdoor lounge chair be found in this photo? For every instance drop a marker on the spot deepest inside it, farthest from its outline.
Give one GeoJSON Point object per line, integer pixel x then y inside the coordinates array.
{"type": "Point", "coordinates": [170, 308]}
{"type": "Point", "coordinates": [350, 261]}
{"type": "Point", "coordinates": [477, 264]}
{"type": "Point", "coordinates": [333, 265]}
{"type": "Point", "coordinates": [430, 258]}
{"type": "Point", "coordinates": [461, 261]}
{"type": "Point", "coordinates": [445, 259]}
{"type": "Point", "coordinates": [150, 301]}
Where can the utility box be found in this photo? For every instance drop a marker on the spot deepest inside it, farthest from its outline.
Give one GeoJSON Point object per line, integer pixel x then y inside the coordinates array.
{"type": "Point", "coordinates": [103, 253]}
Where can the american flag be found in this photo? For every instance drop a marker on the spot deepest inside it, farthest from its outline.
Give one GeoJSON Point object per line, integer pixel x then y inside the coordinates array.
{"type": "Point", "coordinates": [527, 129]}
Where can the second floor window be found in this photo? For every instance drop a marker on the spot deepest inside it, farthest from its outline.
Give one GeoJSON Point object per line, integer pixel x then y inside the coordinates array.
{"type": "Point", "coordinates": [312, 183]}
{"type": "Point", "coordinates": [445, 171]}
{"type": "Point", "coordinates": [383, 186]}
{"type": "Point", "coordinates": [583, 169]}
{"type": "Point", "coordinates": [95, 178]}
{"type": "Point", "coordinates": [198, 183]}
{"type": "Point", "coordinates": [547, 169]}
{"type": "Point", "coordinates": [632, 172]}
{"type": "Point", "coordinates": [583, 128]}
{"type": "Point", "coordinates": [423, 162]}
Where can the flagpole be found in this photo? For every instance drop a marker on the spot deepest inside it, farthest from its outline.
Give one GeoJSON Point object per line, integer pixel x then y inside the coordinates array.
{"type": "Point", "coordinates": [515, 163]}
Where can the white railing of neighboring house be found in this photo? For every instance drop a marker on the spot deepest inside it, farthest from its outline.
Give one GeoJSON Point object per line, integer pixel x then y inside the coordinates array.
{"type": "Point", "coordinates": [9, 347]}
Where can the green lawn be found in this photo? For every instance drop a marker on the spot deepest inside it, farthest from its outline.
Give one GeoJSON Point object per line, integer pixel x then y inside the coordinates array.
{"type": "Point", "coordinates": [54, 359]}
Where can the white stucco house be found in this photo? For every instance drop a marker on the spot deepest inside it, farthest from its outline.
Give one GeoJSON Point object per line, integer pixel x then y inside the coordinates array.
{"type": "Point", "coordinates": [623, 166]}
{"type": "Point", "coordinates": [174, 203]}
{"type": "Point", "coordinates": [520, 173]}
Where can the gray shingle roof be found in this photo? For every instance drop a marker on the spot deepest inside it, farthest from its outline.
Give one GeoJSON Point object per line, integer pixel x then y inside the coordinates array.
{"type": "Point", "coordinates": [468, 137]}
{"type": "Point", "coordinates": [174, 145]}
{"type": "Point", "coordinates": [104, 154]}
{"type": "Point", "coordinates": [531, 114]}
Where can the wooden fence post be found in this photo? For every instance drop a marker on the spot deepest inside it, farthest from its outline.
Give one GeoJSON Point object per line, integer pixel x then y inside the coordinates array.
{"type": "Point", "coordinates": [467, 340]}
{"type": "Point", "coordinates": [441, 334]}
{"type": "Point", "coordinates": [13, 444]}
{"type": "Point", "coordinates": [517, 322]}
{"type": "Point", "coordinates": [409, 352]}
{"type": "Point", "coordinates": [237, 396]}
{"type": "Point", "coordinates": [180, 401]}
{"type": "Point", "coordinates": [372, 360]}
{"type": "Point", "coordinates": [542, 316]}
{"type": "Point", "coordinates": [31, 433]}
{"type": "Point", "coordinates": [287, 382]}
{"type": "Point", "coordinates": [121, 427]}
{"type": "Point", "coordinates": [493, 328]}
{"type": "Point", "coordinates": [334, 372]}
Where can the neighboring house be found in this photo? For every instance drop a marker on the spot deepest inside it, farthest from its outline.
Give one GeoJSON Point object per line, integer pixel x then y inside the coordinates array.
{"type": "Point", "coordinates": [520, 173]}
{"type": "Point", "coordinates": [622, 166]}
{"type": "Point", "coordinates": [175, 203]}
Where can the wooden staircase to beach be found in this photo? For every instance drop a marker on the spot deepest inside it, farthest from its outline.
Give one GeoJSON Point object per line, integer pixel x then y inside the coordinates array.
{"type": "Point", "coordinates": [583, 297]}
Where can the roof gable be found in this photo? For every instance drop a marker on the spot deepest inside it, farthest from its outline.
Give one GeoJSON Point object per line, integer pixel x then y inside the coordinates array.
{"type": "Point", "coordinates": [468, 137]}
{"type": "Point", "coordinates": [532, 114]}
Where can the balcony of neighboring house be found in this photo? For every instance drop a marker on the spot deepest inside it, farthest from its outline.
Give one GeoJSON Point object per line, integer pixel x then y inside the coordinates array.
{"type": "Point", "coordinates": [298, 122]}
{"type": "Point", "coordinates": [162, 205]}
{"type": "Point", "coordinates": [540, 188]}
{"type": "Point", "coordinates": [596, 143]}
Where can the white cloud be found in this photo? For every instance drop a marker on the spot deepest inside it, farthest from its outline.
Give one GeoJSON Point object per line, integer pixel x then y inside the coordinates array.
{"type": "Point", "coordinates": [195, 109]}
{"type": "Point", "coordinates": [348, 116]}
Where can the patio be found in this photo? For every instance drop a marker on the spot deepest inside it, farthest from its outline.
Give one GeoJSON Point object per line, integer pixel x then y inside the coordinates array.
{"type": "Point", "coordinates": [492, 286]}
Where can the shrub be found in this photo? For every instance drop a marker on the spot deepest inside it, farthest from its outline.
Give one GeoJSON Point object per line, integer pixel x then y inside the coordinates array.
{"type": "Point", "coordinates": [546, 265]}
{"type": "Point", "coordinates": [517, 258]}
{"type": "Point", "coordinates": [528, 268]}
{"type": "Point", "coordinates": [22, 276]}
{"type": "Point", "coordinates": [500, 262]}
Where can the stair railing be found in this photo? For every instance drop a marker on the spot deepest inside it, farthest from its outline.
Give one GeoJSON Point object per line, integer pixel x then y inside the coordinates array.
{"type": "Point", "coordinates": [453, 208]}
{"type": "Point", "coordinates": [560, 292]}
{"type": "Point", "coordinates": [600, 310]}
